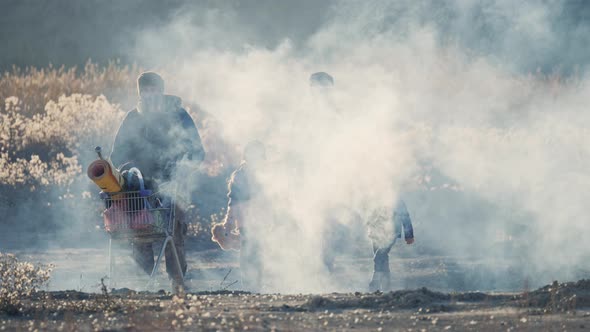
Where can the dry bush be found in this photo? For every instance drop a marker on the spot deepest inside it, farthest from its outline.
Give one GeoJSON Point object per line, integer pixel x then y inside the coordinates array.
{"type": "Point", "coordinates": [43, 150]}
{"type": "Point", "coordinates": [36, 87]}
{"type": "Point", "coordinates": [18, 280]}
{"type": "Point", "coordinates": [47, 115]}
{"type": "Point", "coordinates": [79, 121]}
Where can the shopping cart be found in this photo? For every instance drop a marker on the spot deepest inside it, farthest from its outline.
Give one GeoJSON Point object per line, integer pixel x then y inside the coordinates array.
{"type": "Point", "coordinates": [140, 217]}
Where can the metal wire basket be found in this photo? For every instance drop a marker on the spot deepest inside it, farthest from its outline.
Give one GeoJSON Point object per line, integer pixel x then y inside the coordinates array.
{"type": "Point", "coordinates": [138, 214]}
{"type": "Point", "coordinates": [141, 217]}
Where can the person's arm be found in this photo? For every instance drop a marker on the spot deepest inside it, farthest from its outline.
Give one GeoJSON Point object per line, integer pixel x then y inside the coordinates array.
{"type": "Point", "coordinates": [402, 218]}
{"type": "Point", "coordinates": [187, 144]}
{"type": "Point", "coordinates": [225, 233]}
{"type": "Point", "coordinates": [234, 215]}
{"type": "Point", "coordinates": [123, 148]}
{"type": "Point", "coordinates": [238, 194]}
{"type": "Point", "coordinates": [191, 139]}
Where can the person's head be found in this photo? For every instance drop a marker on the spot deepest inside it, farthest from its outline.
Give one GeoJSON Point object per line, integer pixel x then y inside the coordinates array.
{"type": "Point", "coordinates": [322, 91]}
{"type": "Point", "coordinates": [150, 87]}
{"type": "Point", "coordinates": [321, 79]}
{"type": "Point", "coordinates": [254, 152]}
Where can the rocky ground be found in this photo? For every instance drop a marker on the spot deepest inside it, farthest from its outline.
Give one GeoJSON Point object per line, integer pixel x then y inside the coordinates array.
{"type": "Point", "coordinates": [558, 307]}
{"type": "Point", "coordinates": [431, 293]}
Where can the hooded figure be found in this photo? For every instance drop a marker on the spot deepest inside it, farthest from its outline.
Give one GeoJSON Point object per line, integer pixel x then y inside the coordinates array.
{"type": "Point", "coordinates": [154, 137]}
{"type": "Point", "coordinates": [158, 133]}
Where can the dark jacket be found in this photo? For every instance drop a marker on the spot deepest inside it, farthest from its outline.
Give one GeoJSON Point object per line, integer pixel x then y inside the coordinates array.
{"type": "Point", "coordinates": [401, 218]}
{"type": "Point", "coordinates": [384, 226]}
{"type": "Point", "coordinates": [155, 142]}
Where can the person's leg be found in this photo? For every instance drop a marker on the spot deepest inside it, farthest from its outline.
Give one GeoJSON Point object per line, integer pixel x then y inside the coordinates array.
{"type": "Point", "coordinates": [143, 255]}
{"type": "Point", "coordinates": [332, 242]}
{"type": "Point", "coordinates": [328, 256]}
{"type": "Point", "coordinates": [250, 265]}
{"type": "Point", "coordinates": [179, 234]}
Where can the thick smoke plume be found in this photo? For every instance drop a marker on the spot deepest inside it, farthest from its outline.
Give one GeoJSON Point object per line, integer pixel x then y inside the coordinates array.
{"type": "Point", "coordinates": [489, 160]}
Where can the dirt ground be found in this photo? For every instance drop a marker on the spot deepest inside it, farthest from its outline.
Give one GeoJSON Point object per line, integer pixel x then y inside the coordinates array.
{"type": "Point", "coordinates": [214, 302]}
{"type": "Point", "coordinates": [552, 308]}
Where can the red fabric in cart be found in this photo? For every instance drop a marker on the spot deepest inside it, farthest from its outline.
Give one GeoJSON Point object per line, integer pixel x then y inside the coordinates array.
{"type": "Point", "coordinates": [121, 216]}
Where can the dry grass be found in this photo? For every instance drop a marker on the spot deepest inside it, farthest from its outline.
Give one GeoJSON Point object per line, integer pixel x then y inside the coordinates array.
{"type": "Point", "coordinates": [18, 280]}
{"type": "Point", "coordinates": [42, 150]}
{"type": "Point", "coordinates": [36, 87]}
{"type": "Point", "coordinates": [46, 115]}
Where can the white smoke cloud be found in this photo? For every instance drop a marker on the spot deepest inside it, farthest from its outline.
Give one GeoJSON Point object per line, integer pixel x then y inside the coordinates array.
{"type": "Point", "coordinates": [480, 152]}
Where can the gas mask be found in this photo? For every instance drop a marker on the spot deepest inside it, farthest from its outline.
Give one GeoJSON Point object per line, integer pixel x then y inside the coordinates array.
{"type": "Point", "coordinates": [151, 103]}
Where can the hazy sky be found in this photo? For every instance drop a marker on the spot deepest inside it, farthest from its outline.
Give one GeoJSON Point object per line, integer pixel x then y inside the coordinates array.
{"type": "Point", "coordinates": [71, 31]}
